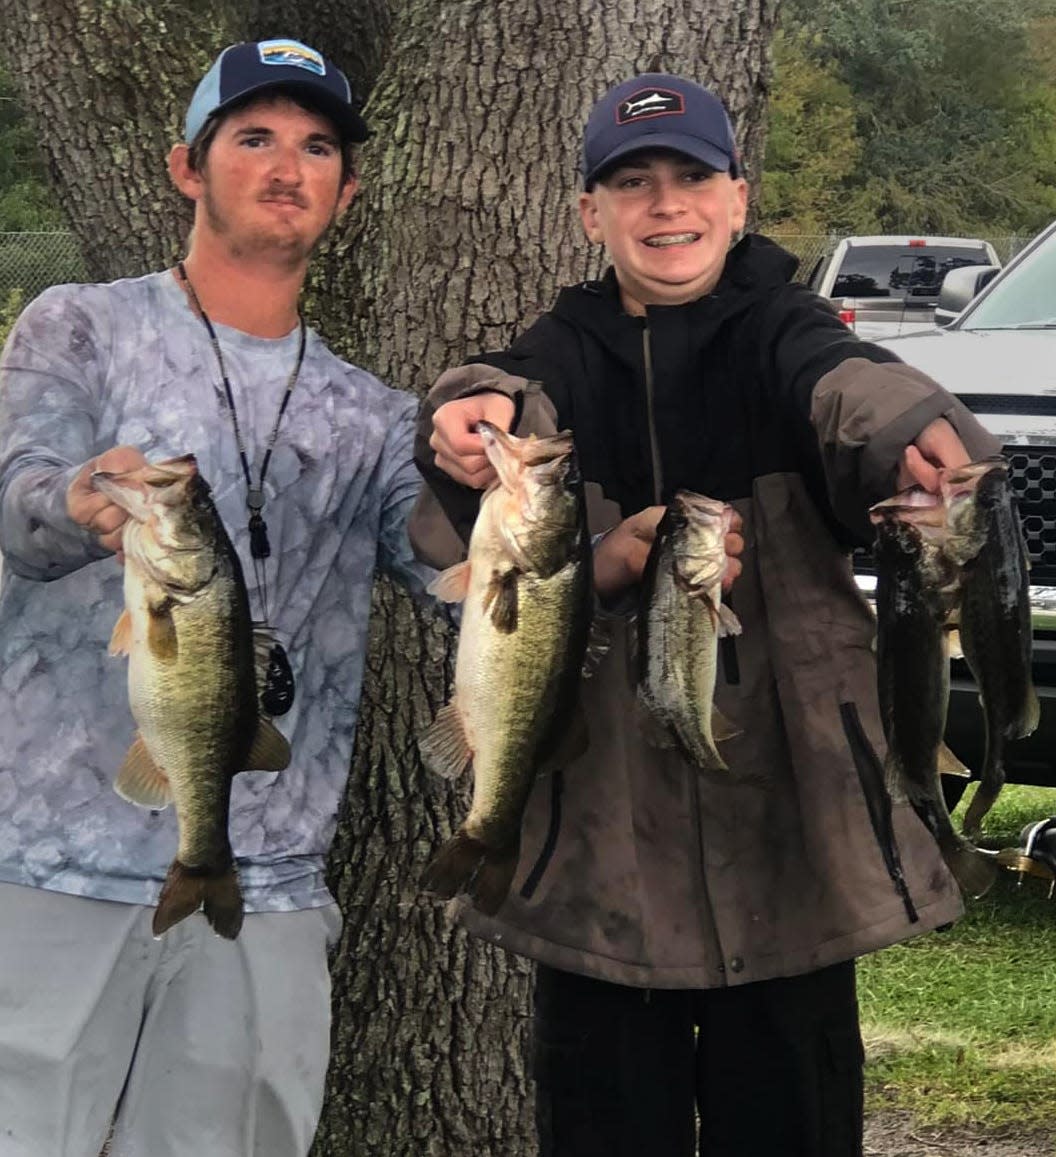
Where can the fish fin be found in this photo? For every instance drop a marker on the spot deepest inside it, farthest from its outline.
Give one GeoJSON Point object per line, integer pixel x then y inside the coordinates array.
{"type": "Point", "coordinates": [451, 585]}
{"type": "Point", "coordinates": [950, 764]}
{"type": "Point", "coordinates": [1028, 722]}
{"type": "Point", "coordinates": [140, 780]}
{"type": "Point", "coordinates": [465, 864]}
{"type": "Point", "coordinates": [121, 637]}
{"type": "Point", "coordinates": [185, 891]}
{"type": "Point", "coordinates": [954, 649]}
{"type": "Point", "coordinates": [729, 624]}
{"type": "Point", "coordinates": [263, 641]}
{"type": "Point", "coordinates": [894, 781]}
{"type": "Point", "coordinates": [723, 728]}
{"type": "Point", "coordinates": [161, 632]}
{"type": "Point", "coordinates": [501, 599]}
{"type": "Point", "coordinates": [444, 746]}
{"type": "Point", "coordinates": [270, 750]}
{"type": "Point", "coordinates": [974, 870]}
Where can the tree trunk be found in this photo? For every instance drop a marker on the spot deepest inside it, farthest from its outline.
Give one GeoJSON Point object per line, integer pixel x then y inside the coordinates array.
{"type": "Point", "coordinates": [464, 230]}
{"type": "Point", "coordinates": [107, 87]}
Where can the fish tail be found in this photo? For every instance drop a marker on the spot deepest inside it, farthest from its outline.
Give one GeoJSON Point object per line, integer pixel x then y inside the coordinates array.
{"type": "Point", "coordinates": [216, 892]}
{"type": "Point", "coordinates": [466, 864]}
{"type": "Point", "coordinates": [973, 870]}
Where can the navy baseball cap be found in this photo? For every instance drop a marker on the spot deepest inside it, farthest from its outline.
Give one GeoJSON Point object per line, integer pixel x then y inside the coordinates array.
{"type": "Point", "coordinates": [658, 111]}
{"type": "Point", "coordinates": [243, 69]}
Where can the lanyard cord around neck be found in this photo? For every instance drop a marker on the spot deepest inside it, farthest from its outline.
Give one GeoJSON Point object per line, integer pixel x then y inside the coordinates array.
{"type": "Point", "coordinates": [259, 547]}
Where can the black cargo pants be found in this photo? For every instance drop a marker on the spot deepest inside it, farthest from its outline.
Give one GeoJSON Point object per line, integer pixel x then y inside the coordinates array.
{"type": "Point", "coordinates": [771, 1069]}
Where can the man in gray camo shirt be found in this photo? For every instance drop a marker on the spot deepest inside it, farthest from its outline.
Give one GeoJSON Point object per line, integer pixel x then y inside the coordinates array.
{"type": "Point", "coordinates": [201, 1046]}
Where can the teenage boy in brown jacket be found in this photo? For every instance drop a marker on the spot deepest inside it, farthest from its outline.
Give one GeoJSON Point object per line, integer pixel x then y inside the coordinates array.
{"type": "Point", "coordinates": [696, 934]}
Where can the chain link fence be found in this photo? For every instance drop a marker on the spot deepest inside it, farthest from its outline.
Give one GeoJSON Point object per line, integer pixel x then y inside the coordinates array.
{"type": "Point", "coordinates": [30, 262]}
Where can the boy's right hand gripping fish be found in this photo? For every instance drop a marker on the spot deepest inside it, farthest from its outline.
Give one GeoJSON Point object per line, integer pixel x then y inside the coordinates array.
{"type": "Point", "coordinates": [526, 589]}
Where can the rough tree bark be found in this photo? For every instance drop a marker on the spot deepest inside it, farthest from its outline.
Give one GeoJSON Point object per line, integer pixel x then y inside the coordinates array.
{"type": "Point", "coordinates": [463, 231]}
{"type": "Point", "coordinates": [106, 83]}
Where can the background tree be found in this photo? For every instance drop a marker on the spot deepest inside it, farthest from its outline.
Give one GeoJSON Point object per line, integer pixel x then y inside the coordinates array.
{"type": "Point", "coordinates": [952, 115]}
{"type": "Point", "coordinates": [462, 233]}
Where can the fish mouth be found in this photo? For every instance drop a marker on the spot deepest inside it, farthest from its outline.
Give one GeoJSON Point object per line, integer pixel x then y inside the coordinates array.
{"type": "Point", "coordinates": [532, 451]}
{"type": "Point", "coordinates": [697, 506]}
{"type": "Point", "coordinates": [129, 489]}
{"type": "Point", "coordinates": [663, 240]}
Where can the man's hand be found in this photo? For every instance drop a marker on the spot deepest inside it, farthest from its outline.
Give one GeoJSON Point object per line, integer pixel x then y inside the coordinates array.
{"type": "Point", "coordinates": [937, 445]}
{"type": "Point", "coordinates": [87, 507]}
{"type": "Point", "coordinates": [458, 449]}
{"type": "Point", "coordinates": [620, 557]}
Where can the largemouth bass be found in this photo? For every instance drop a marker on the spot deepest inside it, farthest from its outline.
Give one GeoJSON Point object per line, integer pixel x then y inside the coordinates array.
{"type": "Point", "coordinates": [526, 593]}
{"type": "Point", "coordinates": [916, 596]}
{"type": "Point", "coordinates": [986, 540]}
{"type": "Point", "coordinates": [192, 685]}
{"type": "Point", "coordinates": [681, 617]}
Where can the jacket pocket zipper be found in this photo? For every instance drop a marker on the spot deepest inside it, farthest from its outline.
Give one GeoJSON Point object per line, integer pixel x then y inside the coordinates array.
{"type": "Point", "coordinates": [877, 800]}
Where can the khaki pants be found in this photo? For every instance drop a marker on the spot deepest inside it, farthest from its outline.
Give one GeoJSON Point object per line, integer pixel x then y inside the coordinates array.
{"type": "Point", "coordinates": [204, 1047]}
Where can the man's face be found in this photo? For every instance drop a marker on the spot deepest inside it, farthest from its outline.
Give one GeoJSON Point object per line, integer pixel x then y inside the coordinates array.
{"type": "Point", "coordinates": [271, 180]}
{"type": "Point", "coordinates": [667, 222]}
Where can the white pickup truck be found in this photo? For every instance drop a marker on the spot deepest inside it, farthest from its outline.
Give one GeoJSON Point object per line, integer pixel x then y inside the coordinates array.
{"type": "Point", "coordinates": [888, 286]}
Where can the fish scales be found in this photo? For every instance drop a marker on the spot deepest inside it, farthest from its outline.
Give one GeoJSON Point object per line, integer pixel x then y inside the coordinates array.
{"type": "Point", "coordinates": [916, 594]}
{"type": "Point", "coordinates": [680, 621]}
{"type": "Point", "coordinates": [526, 588]}
{"type": "Point", "coordinates": [192, 684]}
{"type": "Point", "coordinates": [995, 625]}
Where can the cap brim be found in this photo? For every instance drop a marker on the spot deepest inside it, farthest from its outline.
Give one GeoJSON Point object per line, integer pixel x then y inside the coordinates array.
{"type": "Point", "coordinates": [351, 125]}
{"type": "Point", "coordinates": [692, 147]}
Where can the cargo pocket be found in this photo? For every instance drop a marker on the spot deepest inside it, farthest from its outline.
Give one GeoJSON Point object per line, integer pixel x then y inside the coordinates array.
{"type": "Point", "coordinates": [877, 801]}
{"type": "Point", "coordinates": [531, 881]}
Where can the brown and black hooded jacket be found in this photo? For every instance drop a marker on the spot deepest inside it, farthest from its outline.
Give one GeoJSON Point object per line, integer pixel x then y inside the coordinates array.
{"type": "Point", "coordinates": [636, 868]}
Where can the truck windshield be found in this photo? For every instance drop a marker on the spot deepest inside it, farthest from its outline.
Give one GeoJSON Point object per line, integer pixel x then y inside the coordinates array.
{"type": "Point", "coordinates": [1024, 298]}
{"type": "Point", "coordinates": [912, 274]}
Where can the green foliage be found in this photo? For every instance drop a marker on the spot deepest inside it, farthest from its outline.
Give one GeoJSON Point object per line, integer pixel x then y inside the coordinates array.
{"type": "Point", "coordinates": [26, 204]}
{"type": "Point", "coordinates": [960, 1025]}
{"type": "Point", "coordinates": [10, 308]}
{"type": "Point", "coordinates": [934, 118]}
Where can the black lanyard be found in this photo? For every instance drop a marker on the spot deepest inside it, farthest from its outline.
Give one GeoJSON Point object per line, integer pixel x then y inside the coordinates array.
{"type": "Point", "coordinates": [259, 546]}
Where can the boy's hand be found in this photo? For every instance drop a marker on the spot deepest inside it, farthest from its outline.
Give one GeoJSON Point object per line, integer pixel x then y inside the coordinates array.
{"type": "Point", "coordinates": [937, 445]}
{"type": "Point", "coordinates": [458, 449]}
{"type": "Point", "coordinates": [88, 507]}
{"type": "Point", "coordinates": [620, 556]}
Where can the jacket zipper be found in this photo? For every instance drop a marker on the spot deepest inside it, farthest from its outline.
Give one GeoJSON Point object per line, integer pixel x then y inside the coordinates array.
{"type": "Point", "coordinates": [654, 444]}
{"type": "Point", "coordinates": [658, 490]}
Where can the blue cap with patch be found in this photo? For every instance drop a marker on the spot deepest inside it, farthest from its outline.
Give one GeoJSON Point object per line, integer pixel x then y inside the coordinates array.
{"type": "Point", "coordinates": [658, 111]}
{"type": "Point", "coordinates": [243, 69]}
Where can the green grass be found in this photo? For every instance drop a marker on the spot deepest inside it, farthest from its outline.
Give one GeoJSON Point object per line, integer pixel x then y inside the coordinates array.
{"type": "Point", "coordinates": [960, 1026]}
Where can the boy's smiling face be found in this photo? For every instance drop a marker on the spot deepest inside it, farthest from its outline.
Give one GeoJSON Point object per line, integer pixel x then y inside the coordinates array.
{"type": "Point", "coordinates": [667, 222]}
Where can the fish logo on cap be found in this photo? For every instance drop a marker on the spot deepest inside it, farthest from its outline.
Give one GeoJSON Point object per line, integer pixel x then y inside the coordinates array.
{"type": "Point", "coordinates": [649, 102]}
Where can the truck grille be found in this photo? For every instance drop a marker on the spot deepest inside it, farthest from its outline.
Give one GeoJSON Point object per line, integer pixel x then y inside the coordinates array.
{"type": "Point", "coordinates": [1032, 470]}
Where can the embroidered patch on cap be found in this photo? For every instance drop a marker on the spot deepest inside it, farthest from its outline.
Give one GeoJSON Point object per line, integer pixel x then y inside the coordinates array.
{"type": "Point", "coordinates": [291, 53]}
{"type": "Point", "coordinates": [649, 102]}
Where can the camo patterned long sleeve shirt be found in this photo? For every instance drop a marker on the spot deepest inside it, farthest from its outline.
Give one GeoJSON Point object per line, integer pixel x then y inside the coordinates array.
{"type": "Point", "coordinates": [89, 367]}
